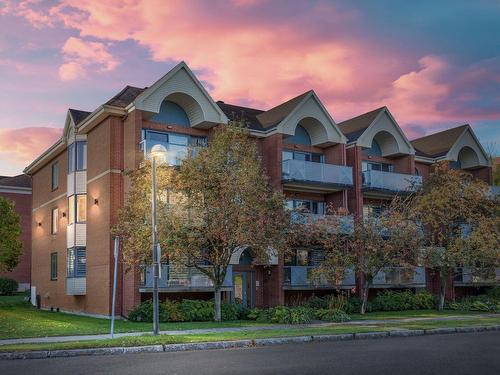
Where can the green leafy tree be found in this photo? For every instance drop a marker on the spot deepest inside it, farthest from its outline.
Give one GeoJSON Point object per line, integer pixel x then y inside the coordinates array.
{"type": "Point", "coordinates": [461, 225]}
{"type": "Point", "coordinates": [10, 231]}
{"type": "Point", "coordinates": [374, 245]}
{"type": "Point", "coordinates": [218, 202]}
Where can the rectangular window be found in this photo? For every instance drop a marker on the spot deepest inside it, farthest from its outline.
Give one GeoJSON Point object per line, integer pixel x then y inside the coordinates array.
{"type": "Point", "coordinates": [54, 220]}
{"type": "Point", "coordinates": [55, 175]}
{"type": "Point", "coordinates": [81, 208]}
{"type": "Point", "coordinates": [371, 166]}
{"type": "Point", "coordinates": [300, 257]}
{"type": "Point", "coordinates": [77, 262]}
{"type": "Point", "coordinates": [304, 156]}
{"type": "Point", "coordinates": [81, 156]}
{"type": "Point", "coordinates": [71, 209]}
{"type": "Point", "coordinates": [77, 208]}
{"type": "Point", "coordinates": [53, 266]}
{"type": "Point", "coordinates": [71, 158]}
{"type": "Point", "coordinates": [77, 156]}
{"type": "Point", "coordinates": [307, 206]}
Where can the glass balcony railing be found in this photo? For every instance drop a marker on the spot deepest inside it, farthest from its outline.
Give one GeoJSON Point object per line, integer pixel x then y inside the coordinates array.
{"type": "Point", "coordinates": [312, 172]}
{"type": "Point", "coordinates": [464, 276]}
{"type": "Point", "coordinates": [346, 223]}
{"type": "Point", "coordinates": [304, 277]}
{"type": "Point", "coordinates": [180, 277]}
{"type": "Point", "coordinates": [390, 181]}
{"type": "Point", "coordinates": [400, 277]}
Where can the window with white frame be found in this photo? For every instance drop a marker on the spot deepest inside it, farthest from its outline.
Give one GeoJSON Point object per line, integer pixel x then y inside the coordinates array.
{"type": "Point", "coordinates": [76, 262]}
{"type": "Point", "coordinates": [55, 175]}
{"type": "Point", "coordinates": [77, 208]}
{"type": "Point", "coordinates": [54, 220]}
{"type": "Point", "coordinates": [77, 156]}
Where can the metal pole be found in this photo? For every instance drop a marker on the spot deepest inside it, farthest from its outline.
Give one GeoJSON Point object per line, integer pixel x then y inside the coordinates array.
{"type": "Point", "coordinates": [156, 317]}
{"type": "Point", "coordinates": [115, 276]}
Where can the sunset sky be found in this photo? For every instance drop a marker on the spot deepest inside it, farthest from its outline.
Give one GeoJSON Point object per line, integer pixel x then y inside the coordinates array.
{"type": "Point", "coordinates": [435, 64]}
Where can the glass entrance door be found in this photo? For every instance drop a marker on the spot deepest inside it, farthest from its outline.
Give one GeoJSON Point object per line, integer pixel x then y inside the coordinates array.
{"type": "Point", "coordinates": [243, 290]}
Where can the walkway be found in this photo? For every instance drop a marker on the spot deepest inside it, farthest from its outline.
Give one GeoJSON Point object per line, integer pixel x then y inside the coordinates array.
{"type": "Point", "coordinates": [317, 324]}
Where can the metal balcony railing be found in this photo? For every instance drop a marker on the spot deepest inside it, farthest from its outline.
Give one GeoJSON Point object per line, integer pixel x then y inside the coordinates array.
{"type": "Point", "coordinates": [390, 181]}
{"type": "Point", "coordinates": [400, 277]}
{"type": "Point", "coordinates": [308, 171]}
{"type": "Point", "coordinates": [303, 277]}
{"type": "Point", "coordinates": [184, 278]}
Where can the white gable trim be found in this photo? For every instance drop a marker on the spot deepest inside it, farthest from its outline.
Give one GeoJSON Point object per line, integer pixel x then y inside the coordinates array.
{"type": "Point", "coordinates": [402, 146]}
{"type": "Point", "coordinates": [468, 139]}
{"type": "Point", "coordinates": [182, 86]}
{"type": "Point", "coordinates": [311, 108]}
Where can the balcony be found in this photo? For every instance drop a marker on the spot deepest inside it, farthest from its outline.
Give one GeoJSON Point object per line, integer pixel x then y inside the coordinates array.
{"type": "Point", "coordinates": [175, 278]}
{"type": "Point", "coordinates": [495, 190]}
{"type": "Point", "coordinates": [76, 286]}
{"type": "Point", "coordinates": [390, 182]}
{"type": "Point", "coordinates": [465, 277]}
{"type": "Point", "coordinates": [400, 278]}
{"type": "Point", "coordinates": [315, 176]}
{"type": "Point", "coordinates": [302, 277]}
{"type": "Point", "coordinates": [346, 223]}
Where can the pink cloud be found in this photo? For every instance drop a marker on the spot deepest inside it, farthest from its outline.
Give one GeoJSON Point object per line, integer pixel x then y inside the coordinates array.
{"type": "Point", "coordinates": [80, 54]}
{"type": "Point", "coordinates": [20, 146]}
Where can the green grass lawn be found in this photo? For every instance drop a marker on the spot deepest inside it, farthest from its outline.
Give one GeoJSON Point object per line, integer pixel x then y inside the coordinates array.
{"type": "Point", "coordinates": [228, 336]}
{"type": "Point", "coordinates": [18, 319]}
{"type": "Point", "coordinates": [380, 315]}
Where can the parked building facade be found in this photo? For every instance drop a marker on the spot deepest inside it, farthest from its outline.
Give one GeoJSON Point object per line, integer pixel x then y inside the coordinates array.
{"type": "Point", "coordinates": [79, 185]}
{"type": "Point", "coordinates": [18, 190]}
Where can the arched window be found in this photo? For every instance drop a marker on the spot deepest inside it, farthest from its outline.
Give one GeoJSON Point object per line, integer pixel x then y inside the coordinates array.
{"type": "Point", "coordinates": [375, 150]}
{"type": "Point", "coordinates": [172, 114]}
{"type": "Point", "coordinates": [301, 137]}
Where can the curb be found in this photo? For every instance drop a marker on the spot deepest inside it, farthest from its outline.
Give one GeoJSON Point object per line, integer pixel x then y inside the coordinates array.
{"type": "Point", "coordinates": [170, 348]}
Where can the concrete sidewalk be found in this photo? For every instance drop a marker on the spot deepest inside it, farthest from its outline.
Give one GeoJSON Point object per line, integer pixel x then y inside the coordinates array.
{"type": "Point", "coordinates": [371, 322]}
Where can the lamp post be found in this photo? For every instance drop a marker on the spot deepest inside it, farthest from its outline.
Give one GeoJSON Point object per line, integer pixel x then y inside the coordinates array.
{"type": "Point", "coordinates": [156, 151]}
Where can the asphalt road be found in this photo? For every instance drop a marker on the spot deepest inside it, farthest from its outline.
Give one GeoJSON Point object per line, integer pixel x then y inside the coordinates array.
{"type": "Point", "coordinates": [470, 353]}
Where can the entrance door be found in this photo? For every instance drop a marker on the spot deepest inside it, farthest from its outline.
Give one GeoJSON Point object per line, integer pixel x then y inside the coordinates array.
{"type": "Point", "coordinates": [243, 291]}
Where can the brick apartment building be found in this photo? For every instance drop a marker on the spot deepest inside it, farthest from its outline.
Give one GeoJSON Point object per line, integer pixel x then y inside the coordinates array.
{"type": "Point", "coordinates": [18, 190]}
{"type": "Point", "coordinates": [79, 185]}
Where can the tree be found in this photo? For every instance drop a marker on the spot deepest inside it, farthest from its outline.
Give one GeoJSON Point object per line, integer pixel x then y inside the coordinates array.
{"type": "Point", "coordinates": [374, 244]}
{"type": "Point", "coordinates": [10, 230]}
{"type": "Point", "coordinates": [218, 202]}
{"type": "Point", "coordinates": [461, 224]}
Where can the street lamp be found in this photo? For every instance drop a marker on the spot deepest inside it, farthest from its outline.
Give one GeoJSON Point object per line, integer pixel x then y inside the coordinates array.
{"type": "Point", "coordinates": [157, 151]}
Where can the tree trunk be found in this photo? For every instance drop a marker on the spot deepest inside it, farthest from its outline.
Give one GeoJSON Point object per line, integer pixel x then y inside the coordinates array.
{"type": "Point", "coordinates": [217, 304]}
{"type": "Point", "coordinates": [442, 290]}
{"type": "Point", "coordinates": [364, 296]}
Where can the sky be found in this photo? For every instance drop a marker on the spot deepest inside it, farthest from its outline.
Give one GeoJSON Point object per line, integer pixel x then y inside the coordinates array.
{"type": "Point", "coordinates": [435, 64]}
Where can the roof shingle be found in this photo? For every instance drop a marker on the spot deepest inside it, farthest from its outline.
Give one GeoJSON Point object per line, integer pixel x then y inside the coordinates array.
{"type": "Point", "coordinates": [438, 144]}
{"type": "Point", "coordinates": [275, 115]}
{"type": "Point", "coordinates": [354, 127]}
{"type": "Point", "coordinates": [22, 180]}
{"type": "Point", "coordinates": [125, 97]}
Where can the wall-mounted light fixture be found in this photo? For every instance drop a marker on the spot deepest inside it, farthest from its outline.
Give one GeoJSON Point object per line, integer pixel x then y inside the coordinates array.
{"type": "Point", "coordinates": [169, 127]}
{"type": "Point", "coordinates": [64, 214]}
{"type": "Point", "coordinates": [96, 201]}
{"type": "Point", "coordinates": [39, 223]}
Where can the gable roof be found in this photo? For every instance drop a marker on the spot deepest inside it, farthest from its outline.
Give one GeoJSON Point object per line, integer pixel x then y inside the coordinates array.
{"type": "Point", "coordinates": [21, 180]}
{"type": "Point", "coordinates": [78, 115]}
{"type": "Point", "coordinates": [248, 115]}
{"type": "Point", "coordinates": [275, 115]}
{"type": "Point", "coordinates": [438, 144]}
{"type": "Point", "coordinates": [126, 96]}
{"type": "Point", "coordinates": [354, 127]}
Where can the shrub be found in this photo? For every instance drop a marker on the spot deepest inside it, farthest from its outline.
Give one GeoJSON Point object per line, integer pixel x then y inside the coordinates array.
{"type": "Point", "coordinates": [476, 303]}
{"type": "Point", "coordinates": [424, 301]}
{"type": "Point", "coordinates": [390, 300]}
{"type": "Point", "coordinates": [336, 302]}
{"type": "Point", "coordinates": [197, 310]}
{"type": "Point", "coordinates": [353, 305]}
{"type": "Point", "coordinates": [332, 315]}
{"type": "Point", "coordinates": [173, 311]}
{"type": "Point", "coordinates": [290, 315]}
{"type": "Point", "coordinates": [316, 302]}
{"type": "Point", "coordinates": [7, 286]}
{"type": "Point", "coordinates": [229, 311]}
{"type": "Point", "coordinates": [144, 312]}
{"type": "Point", "coordinates": [494, 293]}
